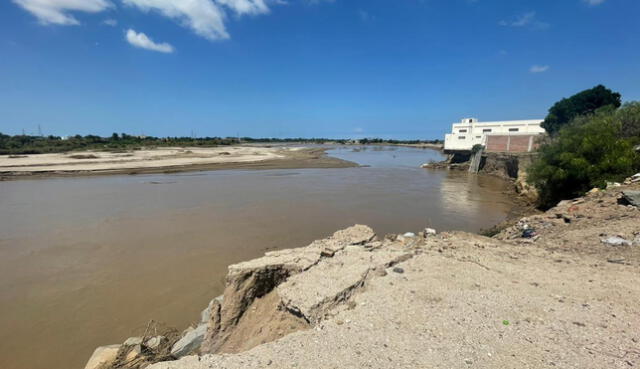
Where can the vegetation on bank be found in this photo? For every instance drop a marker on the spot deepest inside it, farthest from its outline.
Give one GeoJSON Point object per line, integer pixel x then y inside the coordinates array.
{"type": "Point", "coordinates": [599, 144]}
{"type": "Point", "coordinates": [25, 144]}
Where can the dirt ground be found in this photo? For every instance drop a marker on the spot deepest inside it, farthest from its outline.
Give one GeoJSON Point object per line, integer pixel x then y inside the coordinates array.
{"type": "Point", "coordinates": [165, 160]}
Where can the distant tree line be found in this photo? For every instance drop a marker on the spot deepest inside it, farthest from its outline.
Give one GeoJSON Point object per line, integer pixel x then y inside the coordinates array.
{"type": "Point", "coordinates": [593, 140]}
{"type": "Point", "coordinates": [26, 144]}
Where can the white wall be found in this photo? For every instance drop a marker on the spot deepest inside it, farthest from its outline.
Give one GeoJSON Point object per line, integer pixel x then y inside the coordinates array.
{"type": "Point", "coordinates": [465, 135]}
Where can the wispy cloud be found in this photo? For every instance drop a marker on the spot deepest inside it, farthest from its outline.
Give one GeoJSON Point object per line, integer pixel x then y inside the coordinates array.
{"type": "Point", "coordinates": [204, 17]}
{"type": "Point", "coordinates": [144, 42]}
{"type": "Point", "coordinates": [594, 2]}
{"type": "Point", "coordinates": [110, 22]}
{"type": "Point", "coordinates": [538, 69]}
{"type": "Point", "coordinates": [57, 11]}
{"type": "Point", "coordinates": [365, 16]}
{"type": "Point", "coordinates": [528, 19]}
{"type": "Point", "coordinates": [242, 7]}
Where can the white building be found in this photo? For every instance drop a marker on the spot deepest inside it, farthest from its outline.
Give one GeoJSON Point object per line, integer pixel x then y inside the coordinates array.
{"type": "Point", "coordinates": [470, 132]}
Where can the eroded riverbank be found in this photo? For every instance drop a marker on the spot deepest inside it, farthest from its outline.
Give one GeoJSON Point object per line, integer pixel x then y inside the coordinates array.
{"type": "Point", "coordinates": [555, 290]}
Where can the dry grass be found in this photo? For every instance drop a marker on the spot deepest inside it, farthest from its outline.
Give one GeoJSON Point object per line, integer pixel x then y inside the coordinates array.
{"type": "Point", "coordinates": [148, 355]}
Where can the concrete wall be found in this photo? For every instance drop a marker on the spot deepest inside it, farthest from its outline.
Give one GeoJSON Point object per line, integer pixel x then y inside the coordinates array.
{"type": "Point", "coordinates": [511, 143]}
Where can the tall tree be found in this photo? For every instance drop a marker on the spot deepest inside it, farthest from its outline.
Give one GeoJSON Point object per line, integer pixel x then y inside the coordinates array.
{"type": "Point", "coordinates": [582, 103]}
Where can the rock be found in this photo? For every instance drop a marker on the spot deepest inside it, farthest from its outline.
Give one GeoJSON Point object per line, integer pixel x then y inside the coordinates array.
{"type": "Point", "coordinates": [190, 342]}
{"type": "Point", "coordinates": [103, 356]}
{"type": "Point", "coordinates": [613, 185]}
{"type": "Point", "coordinates": [316, 292]}
{"type": "Point", "coordinates": [631, 198]}
{"type": "Point", "coordinates": [430, 232]}
{"type": "Point", "coordinates": [617, 261]}
{"type": "Point", "coordinates": [132, 341]}
{"type": "Point", "coordinates": [616, 241]}
{"type": "Point", "coordinates": [594, 190]}
{"type": "Point", "coordinates": [155, 342]}
{"type": "Point", "coordinates": [409, 235]}
{"type": "Point", "coordinates": [398, 270]}
{"type": "Point", "coordinates": [134, 353]}
{"type": "Point", "coordinates": [205, 316]}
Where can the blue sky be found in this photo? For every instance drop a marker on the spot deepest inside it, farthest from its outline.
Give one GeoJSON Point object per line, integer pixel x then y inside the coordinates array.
{"type": "Point", "coordinates": [310, 68]}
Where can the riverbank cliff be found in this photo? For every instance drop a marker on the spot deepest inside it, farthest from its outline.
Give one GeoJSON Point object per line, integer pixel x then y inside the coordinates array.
{"type": "Point", "coordinates": [555, 290]}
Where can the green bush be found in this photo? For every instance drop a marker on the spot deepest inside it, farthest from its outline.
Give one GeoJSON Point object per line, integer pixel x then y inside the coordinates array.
{"type": "Point", "coordinates": [629, 117]}
{"type": "Point", "coordinates": [587, 153]}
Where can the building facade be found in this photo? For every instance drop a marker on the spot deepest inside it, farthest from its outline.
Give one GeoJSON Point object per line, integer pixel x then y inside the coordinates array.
{"type": "Point", "coordinates": [503, 136]}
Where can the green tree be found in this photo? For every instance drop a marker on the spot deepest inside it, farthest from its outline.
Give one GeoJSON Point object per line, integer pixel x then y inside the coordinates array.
{"type": "Point", "coordinates": [586, 153]}
{"type": "Point", "coordinates": [582, 103]}
{"type": "Point", "coordinates": [629, 117]}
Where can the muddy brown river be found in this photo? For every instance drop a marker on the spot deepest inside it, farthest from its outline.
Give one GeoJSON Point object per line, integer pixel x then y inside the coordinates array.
{"type": "Point", "coordinates": [86, 262]}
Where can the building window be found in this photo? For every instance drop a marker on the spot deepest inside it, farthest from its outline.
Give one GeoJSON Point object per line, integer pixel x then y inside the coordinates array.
{"type": "Point", "coordinates": [514, 129]}
{"type": "Point", "coordinates": [486, 130]}
{"type": "Point", "coordinates": [478, 136]}
{"type": "Point", "coordinates": [462, 137]}
{"type": "Point", "coordinates": [462, 131]}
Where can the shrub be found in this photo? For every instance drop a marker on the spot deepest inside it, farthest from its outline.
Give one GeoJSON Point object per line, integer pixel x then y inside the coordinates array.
{"type": "Point", "coordinates": [587, 153]}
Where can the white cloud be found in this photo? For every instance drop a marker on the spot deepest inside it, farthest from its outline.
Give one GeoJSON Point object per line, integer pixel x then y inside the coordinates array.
{"type": "Point", "coordinates": [594, 2]}
{"type": "Point", "coordinates": [205, 17]}
{"type": "Point", "coordinates": [525, 20]}
{"type": "Point", "coordinates": [57, 11]}
{"type": "Point", "coordinates": [110, 22]}
{"type": "Point", "coordinates": [539, 69]}
{"type": "Point", "coordinates": [242, 7]}
{"type": "Point", "coordinates": [144, 42]}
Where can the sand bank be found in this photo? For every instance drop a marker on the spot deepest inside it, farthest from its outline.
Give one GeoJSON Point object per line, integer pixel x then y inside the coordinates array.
{"type": "Point", "coordinates": [163, 160]}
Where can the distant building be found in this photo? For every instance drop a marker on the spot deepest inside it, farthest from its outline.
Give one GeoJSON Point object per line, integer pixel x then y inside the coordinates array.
{"type": "Point", "coordinates": [503, 136]}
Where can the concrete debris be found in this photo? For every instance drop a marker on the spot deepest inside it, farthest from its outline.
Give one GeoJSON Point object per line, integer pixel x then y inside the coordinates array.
{"type": "Point", "coordinates": [155, 342]}
{"type": "Point", "coordinates": [132, 341]}
{"type": "Point", "coordinates": [409, 235]}
{"type": "Point", "coordinates": [190, 342]}
{"type": "Point", "coordinates": [631, 198]}
{"type": "Point", "coordinates": [633, 179]}
{"type": "Point", "coordinates": [430, 232]}
{"type": "Point", "coordinates": [616, 241]}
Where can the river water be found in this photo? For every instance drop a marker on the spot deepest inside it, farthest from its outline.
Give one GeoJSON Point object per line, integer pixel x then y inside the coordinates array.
{"type": "Point", "coordinates": [89, 261]}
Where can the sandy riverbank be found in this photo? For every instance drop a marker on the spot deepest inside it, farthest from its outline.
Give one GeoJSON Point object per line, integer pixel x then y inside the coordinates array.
{"type": "Point", "coordinates": [561, 296]}
{"type": "Point", "coordinates": [165, 160]}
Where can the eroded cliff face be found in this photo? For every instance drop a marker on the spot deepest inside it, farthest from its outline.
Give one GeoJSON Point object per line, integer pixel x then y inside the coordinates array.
{"type": "Point", "coordinates": [290, 290]}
